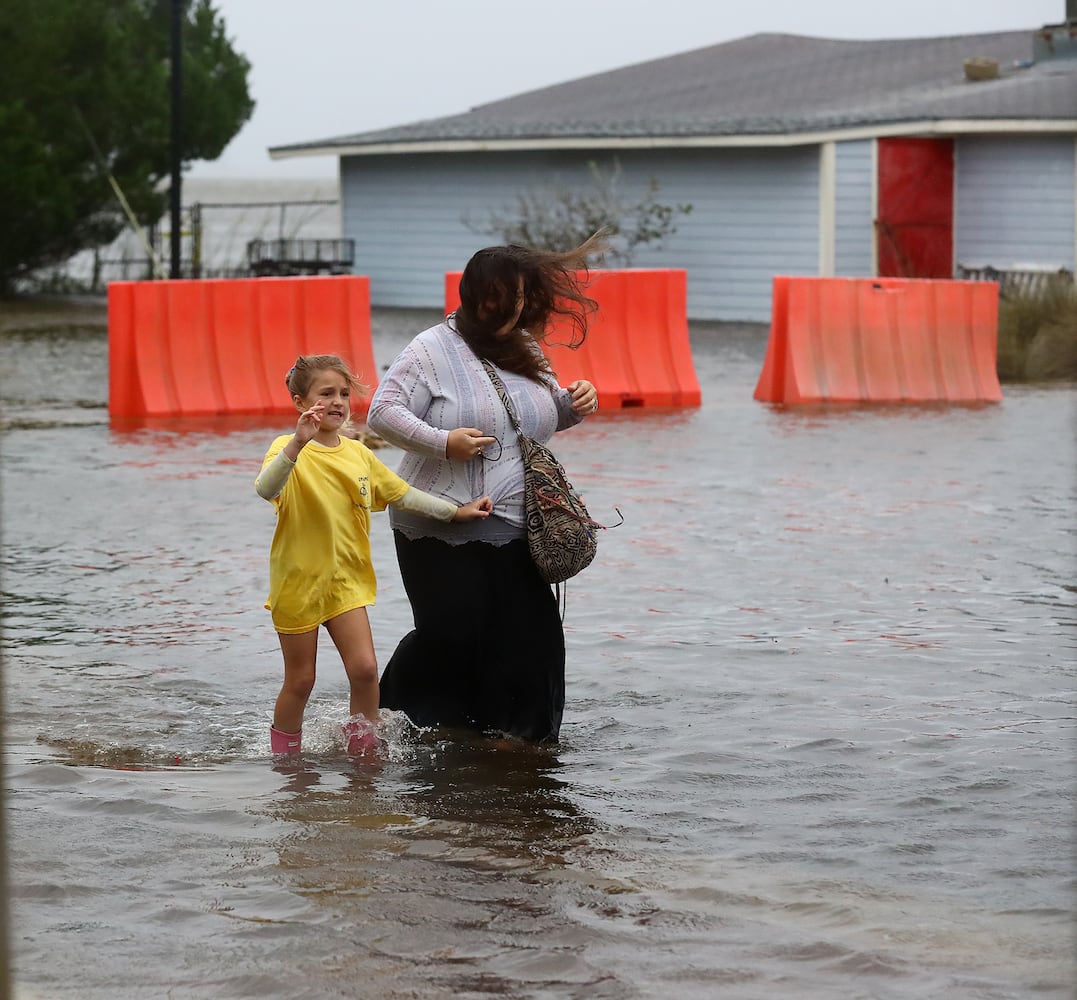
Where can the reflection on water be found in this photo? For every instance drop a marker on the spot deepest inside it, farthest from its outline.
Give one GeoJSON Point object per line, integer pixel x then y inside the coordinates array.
{"type": "Point", "coordinates": [470, 837]}
{"type": "Point", "coordinates": [488, 797]}
{"type": "Point", "coordinates": [818, 740]}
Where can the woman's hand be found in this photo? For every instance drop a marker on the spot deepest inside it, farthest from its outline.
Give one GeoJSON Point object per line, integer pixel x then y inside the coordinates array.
{"type": "Point", "coordinates": [584, 397]}
{"type": "Point", "coordinates": [475, 510]}
{"type": "Point", "coordinates": [466, 443]}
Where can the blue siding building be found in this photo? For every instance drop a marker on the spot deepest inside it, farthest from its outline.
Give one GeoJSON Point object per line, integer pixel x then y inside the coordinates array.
{"type": "Point", "coordinates": [774, 140]}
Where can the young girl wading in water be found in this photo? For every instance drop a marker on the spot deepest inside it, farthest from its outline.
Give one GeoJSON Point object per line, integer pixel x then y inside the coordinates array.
{"type": "Point", "coordinates": [324, 486]}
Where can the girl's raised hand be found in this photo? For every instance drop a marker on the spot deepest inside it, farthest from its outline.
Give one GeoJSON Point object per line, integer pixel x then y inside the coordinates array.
{"type": "Point", "coordinates": [475, 510]}
{"type": "Point", "coordinates": [309, 422]}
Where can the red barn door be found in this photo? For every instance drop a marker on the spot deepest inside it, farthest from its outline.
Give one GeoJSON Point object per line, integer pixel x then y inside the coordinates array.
{"type": "Point", "coordinates": [915, 225]}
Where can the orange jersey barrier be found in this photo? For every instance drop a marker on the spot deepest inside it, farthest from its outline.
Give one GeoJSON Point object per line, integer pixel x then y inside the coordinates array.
{"type": "Point", "coordinates": [883, 340]}
{"type": "Point", "coordinates": [637, 352]}
{"type": "Point", "coordinates": [196, 348]}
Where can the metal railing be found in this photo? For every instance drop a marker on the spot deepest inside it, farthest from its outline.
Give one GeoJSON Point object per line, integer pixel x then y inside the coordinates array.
{"type": "Point", "coordinates": [1016, 280]}
{"type": "Point", "coordinates": [300, 256]}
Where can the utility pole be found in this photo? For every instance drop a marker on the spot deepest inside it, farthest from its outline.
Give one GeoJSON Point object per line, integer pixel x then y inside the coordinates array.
{"type": "Point", "coordinates": [176, 192]}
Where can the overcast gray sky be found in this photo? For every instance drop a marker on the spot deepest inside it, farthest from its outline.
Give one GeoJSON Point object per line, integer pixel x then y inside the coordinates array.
{"type": "Point", "coordinates": [323, 68]}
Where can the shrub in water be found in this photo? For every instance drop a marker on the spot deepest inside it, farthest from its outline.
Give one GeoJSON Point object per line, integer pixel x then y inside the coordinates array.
{"type": "Point", "coordinates": [1037, 333]}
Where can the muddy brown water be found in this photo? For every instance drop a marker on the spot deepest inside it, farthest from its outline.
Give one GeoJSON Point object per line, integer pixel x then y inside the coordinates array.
{"type": "Point", "coordinates": [818, 741]}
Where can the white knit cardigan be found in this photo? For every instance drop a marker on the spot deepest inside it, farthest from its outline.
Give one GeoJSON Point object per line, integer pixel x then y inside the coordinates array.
{"type": "Point", "coordinates": [437, 384]}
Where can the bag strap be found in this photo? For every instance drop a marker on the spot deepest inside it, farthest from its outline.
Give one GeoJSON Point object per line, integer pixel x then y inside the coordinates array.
{"type": "Point", "coordinates": [503, 393]}
{"type": "Point", "coordinates": [560, 595]}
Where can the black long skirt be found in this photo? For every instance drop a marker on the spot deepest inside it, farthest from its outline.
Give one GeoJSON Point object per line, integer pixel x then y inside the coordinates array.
{"type": "Point", "coordinates": [487, 653]}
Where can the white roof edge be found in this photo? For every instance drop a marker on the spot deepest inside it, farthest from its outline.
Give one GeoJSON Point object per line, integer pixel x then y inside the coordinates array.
{"type": "Point", "coordinates": [955, 126]}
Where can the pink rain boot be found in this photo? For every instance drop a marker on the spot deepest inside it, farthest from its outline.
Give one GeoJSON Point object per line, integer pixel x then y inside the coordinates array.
{"type": "Point", "coordinates": [360, 736]}
{"type": "Point", "coordinates": [284, 742]}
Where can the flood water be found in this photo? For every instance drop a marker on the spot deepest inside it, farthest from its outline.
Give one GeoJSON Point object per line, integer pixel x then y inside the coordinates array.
{"type": "Point", "coordinates": [818, 741]}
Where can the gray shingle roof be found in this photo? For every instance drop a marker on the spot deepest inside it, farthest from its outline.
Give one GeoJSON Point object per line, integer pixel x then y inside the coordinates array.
{"type": "Point", "coordinates": [766, 85]}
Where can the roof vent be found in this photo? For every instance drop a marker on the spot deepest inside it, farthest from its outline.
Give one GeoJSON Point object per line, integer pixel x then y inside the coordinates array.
{"type": "Point", "coordinates": [981, 68]}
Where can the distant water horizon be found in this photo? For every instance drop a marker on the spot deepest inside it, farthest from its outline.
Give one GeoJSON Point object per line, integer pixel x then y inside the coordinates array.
{"type": "Point", "coordinates": [251, 188]}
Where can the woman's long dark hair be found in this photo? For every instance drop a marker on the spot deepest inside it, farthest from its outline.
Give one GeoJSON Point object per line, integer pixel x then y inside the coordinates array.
{"type": "Point", "coordinates": [554, 286]}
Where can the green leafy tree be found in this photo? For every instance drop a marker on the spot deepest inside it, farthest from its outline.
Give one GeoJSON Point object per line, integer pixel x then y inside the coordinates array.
{"type": "Point", "coordinates": [85, 94]}
{"type": "Point", "coordinates": [555, 217]}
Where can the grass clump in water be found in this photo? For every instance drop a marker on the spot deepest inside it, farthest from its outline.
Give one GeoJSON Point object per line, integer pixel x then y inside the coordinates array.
{"type": "Point", "coordinates": [1037, 333]}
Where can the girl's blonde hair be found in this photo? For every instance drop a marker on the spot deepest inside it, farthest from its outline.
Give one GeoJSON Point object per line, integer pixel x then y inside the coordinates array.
{"type": "Point", "coordinates": [301, 375]}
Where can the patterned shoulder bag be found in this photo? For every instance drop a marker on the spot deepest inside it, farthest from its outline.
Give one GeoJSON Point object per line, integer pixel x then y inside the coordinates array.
{"type": "Point", "coordinates": [561, 534]}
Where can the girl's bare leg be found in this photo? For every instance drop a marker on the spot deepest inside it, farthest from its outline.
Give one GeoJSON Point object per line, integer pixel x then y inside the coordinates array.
{"type": "Point", "coordinates": [351, 635]}
{"type": "Point", "coordinates": [300, 656]}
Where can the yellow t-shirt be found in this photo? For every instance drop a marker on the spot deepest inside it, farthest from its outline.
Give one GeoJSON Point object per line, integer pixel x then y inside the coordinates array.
{"type": "Point", "coordinates": [319, 562]}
